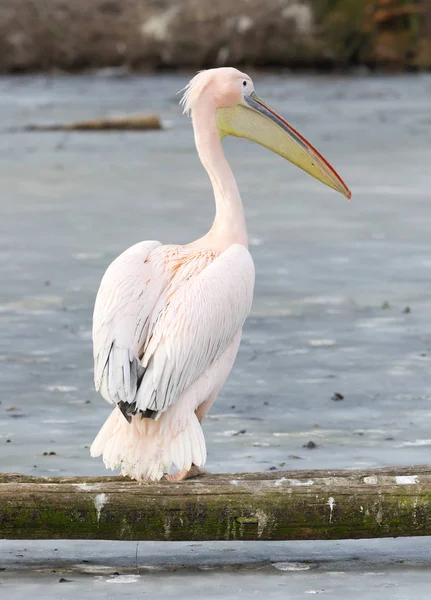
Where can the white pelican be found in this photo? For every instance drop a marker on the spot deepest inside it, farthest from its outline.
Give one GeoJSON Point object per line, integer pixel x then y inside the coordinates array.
{"type": "Point", "coordinates": [168, 318]}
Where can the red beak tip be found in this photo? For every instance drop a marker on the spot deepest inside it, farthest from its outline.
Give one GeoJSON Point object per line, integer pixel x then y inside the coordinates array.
{"type": "Point", "coordinates": [349, 195]}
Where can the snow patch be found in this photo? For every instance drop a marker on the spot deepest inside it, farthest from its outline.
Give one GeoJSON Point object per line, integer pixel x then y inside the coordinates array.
{"type": "Point", "coordinates": [88, 487]}
{"type": "Point", "coordinates": [262, 522]}
{"type": "Point", "coordinates": [370, 480]}
{"type": "Point", "coordinates": [291, 566]}
{"type": "Point", "coordinates": [123, 579]}
{"type": "Point", "coordinates": [415, 443]}
{"type": "Point", "coordinates": [297, 482]}
{"type": "Point", "coordinates": [331, 504]}
{"type": "Point", "coordinates": [85, 568]}
{"type": "Point", "coordinates": [406, 479]}
{"type": "Point", "coordinates": [100, 501]}
{"type": "Point", "coordinates": [60, 388]}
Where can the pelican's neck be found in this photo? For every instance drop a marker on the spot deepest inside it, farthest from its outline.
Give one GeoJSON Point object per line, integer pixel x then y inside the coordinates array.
{"type": "Point", "coordinates": [229, 225]}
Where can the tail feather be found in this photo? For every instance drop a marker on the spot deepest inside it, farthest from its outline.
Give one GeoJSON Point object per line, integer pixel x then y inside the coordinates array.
{"type": "Point", "coordinates": [145, 449]}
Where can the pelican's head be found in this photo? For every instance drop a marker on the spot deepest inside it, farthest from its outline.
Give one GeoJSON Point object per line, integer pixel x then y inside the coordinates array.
{"type": "Point", "coordinates": [240, 112]}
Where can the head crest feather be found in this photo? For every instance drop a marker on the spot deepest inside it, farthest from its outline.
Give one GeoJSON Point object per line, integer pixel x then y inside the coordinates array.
{"type": "Point", "coordinates": [194, 89]}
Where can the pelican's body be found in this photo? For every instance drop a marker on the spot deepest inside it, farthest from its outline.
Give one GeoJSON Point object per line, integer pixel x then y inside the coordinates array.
{"type": "Point", "coordinates": [168, 318]}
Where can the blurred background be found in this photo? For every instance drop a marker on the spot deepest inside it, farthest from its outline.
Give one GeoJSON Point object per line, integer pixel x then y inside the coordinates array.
{"type": "Point", "coordinates": [173, 34]}
{"type": "Point", "coordinates": [334, 367]}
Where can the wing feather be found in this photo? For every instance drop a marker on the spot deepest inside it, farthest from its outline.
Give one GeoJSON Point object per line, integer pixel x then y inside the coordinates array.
{"type": "Point", "coordinates": [127, 295]}
{"type": "Point", "coordinates": [193, 326]}
{"type": "Point", "coordinates": [154, 335]}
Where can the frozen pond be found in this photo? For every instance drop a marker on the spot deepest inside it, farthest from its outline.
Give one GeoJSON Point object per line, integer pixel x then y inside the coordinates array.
{"type": "Point", "coordinates": [342, 305]}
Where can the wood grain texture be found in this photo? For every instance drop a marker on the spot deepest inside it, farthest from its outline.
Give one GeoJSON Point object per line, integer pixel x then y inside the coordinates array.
{"type": "Point", "coordinates": [297, 505]}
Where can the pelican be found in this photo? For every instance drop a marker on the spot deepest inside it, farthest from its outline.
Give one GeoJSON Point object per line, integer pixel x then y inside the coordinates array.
{"type": "Point", "coordinates": [168, 318]}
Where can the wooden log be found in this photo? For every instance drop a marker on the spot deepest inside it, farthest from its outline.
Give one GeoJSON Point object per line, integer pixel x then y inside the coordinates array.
{"type": "Point", "coordinates": [278, 505]}
{"type": "Point", "coordinates": [128, 123]}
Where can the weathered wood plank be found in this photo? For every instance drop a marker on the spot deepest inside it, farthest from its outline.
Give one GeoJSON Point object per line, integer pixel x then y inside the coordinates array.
{"type": "Point", "coordinates": [278, 505]}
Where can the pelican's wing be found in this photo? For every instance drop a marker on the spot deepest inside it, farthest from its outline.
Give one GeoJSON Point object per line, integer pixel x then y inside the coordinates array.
{"type": "Point", "coordinates": [126, 298]}
{"type": "Point", "coordinates": [193, 325]}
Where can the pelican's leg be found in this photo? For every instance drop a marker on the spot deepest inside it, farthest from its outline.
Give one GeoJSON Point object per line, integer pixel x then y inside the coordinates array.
{"type": "Point", "coordinates": [203, 408]}
{"type": "Point", "coordinates": [194, 471]}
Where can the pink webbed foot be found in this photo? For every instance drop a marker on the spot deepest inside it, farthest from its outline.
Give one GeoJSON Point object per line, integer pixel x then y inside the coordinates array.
{"type": "Point", "coordinates": [194, 471]}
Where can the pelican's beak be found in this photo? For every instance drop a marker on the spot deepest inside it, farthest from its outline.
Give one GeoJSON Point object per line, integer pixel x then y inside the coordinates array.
{"type": "Point", "coordinates": [256, 121]}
